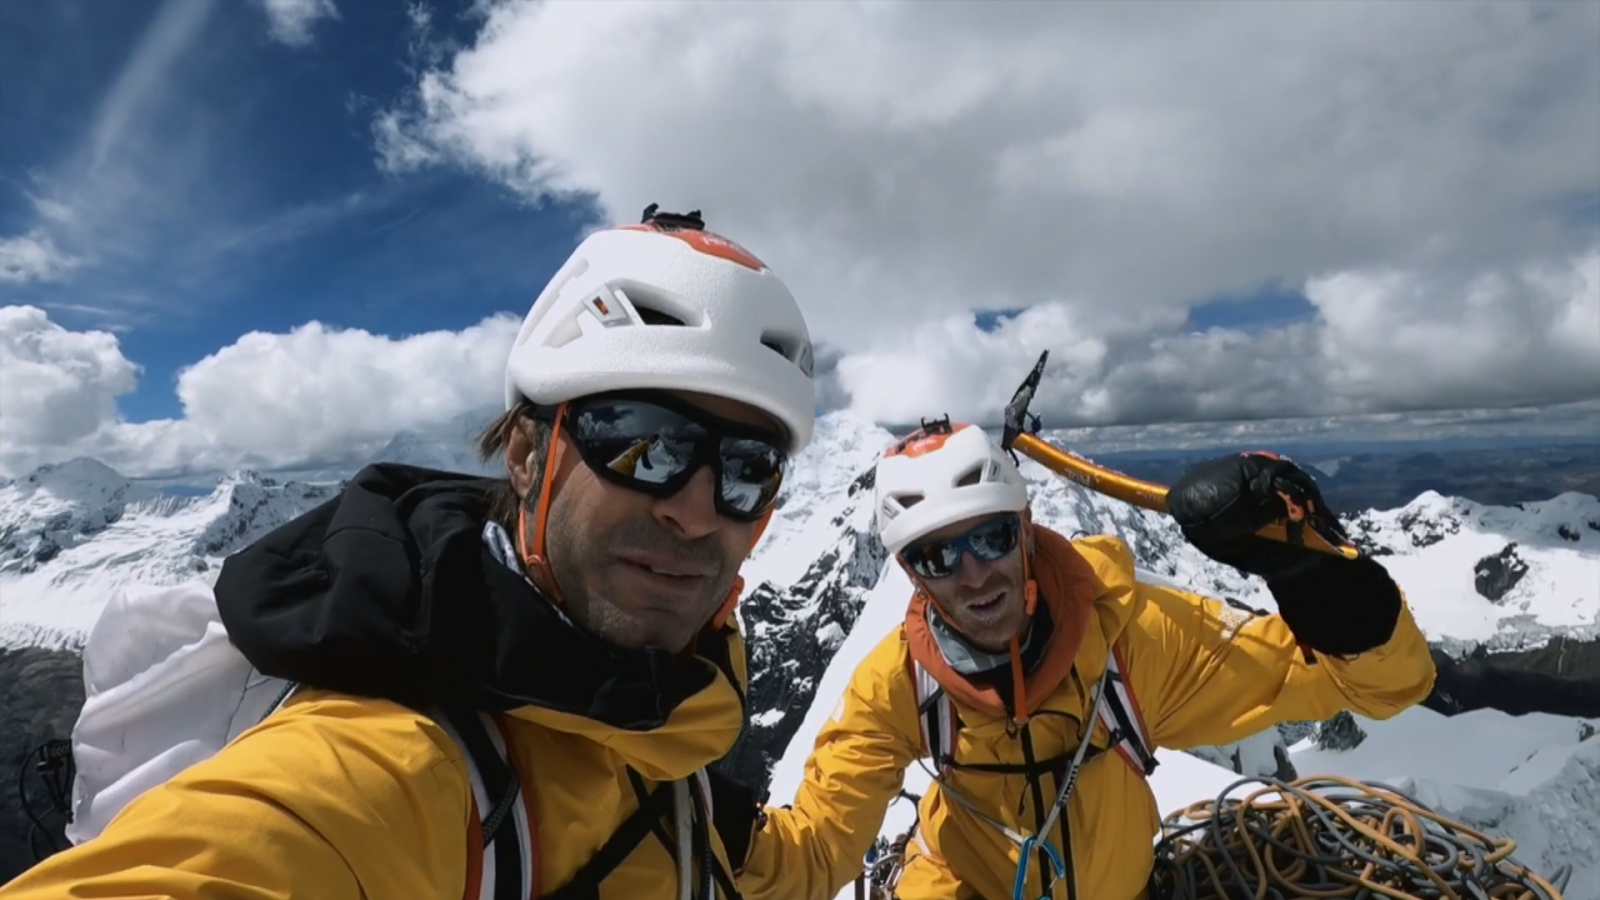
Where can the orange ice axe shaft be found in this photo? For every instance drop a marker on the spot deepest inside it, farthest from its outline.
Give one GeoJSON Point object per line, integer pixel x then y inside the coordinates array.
{"type": "Point", "coordinates": [1296, 529]}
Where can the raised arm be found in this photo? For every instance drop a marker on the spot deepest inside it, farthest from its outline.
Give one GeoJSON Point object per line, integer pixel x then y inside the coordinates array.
{"type": "Point", "coordinates": [1343, 637]}
{"type": "Point", "coordinates": [1222, 674]}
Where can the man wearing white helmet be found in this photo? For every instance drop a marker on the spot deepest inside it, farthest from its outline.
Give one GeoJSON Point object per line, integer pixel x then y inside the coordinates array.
{"type": "Point", "coordinates": [1017, 642]}
{"type": "Point", "coordinates": [654, 393]}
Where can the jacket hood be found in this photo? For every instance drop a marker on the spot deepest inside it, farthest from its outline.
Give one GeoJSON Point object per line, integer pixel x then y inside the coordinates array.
{"type": "Point", "coordinates": [391, 590]}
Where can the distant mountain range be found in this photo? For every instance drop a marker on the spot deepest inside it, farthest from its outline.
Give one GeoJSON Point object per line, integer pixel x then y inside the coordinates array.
{"type": "Point", "coordinates": [1479, 576]}
{"type": "Point", "coordinates": [1389, 478]}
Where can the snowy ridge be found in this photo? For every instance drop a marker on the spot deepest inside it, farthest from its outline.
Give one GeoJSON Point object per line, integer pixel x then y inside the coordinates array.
{"type": "Point", "coordinates": [69, 538]}
{"type": "Point", "coordinates": [1505, 576]}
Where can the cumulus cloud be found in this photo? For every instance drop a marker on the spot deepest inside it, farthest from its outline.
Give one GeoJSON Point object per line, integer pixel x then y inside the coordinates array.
{"type": "Point", "coordinates": [56, 386]}
{"type": "Point", "coordinates": [291, 21]}
{"type": "Point", "coordinates": [315, 395]}
{"type": "Point", "coordinates": [1414, 169]}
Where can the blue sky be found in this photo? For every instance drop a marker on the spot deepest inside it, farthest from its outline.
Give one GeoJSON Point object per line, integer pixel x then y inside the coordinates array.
{"type": "Point", "coordinates": [257, 201]}
{"type": "Point", "coordinates": [1405, 220]}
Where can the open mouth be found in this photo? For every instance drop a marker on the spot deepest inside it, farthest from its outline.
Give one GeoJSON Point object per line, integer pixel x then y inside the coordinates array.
{"type": "Point", "coordinates": [662, 572]}
{"type": "Point", "coordinates": [987, 606]}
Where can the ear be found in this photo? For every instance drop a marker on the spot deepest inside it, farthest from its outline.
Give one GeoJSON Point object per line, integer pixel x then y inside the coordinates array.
{"type": "Point", "coordinates": [522, 463]}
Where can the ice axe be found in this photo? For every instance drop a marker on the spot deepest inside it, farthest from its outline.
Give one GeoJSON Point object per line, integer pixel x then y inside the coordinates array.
{"type": "Point", "coordinates": [1297, 529]}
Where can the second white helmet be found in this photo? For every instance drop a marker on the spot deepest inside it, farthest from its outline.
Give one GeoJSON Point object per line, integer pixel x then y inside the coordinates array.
{"type": "Point", "coordinates": [940, 475]}
{"type": "Point", "coordinates": [667, 305]}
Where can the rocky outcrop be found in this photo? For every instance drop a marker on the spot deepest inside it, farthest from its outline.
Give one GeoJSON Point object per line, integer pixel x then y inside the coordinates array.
{"type": "Point", "coordinates": [1561, 678]}
{"type": "Point", "coordinates": [40, 694]}
{"type": "Point", "coordinates": [1495, 576]}
{"type": "Point", "coordinates": [793, 633]}
{"type": "Point", "coordinates": [1339, 733]}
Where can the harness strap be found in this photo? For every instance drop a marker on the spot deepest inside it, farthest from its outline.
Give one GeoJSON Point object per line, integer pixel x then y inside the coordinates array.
{"type": "Point", "coordinates": [501, 863]}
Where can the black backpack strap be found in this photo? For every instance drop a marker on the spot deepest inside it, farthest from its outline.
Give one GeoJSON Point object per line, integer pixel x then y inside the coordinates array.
{"type": "Point", "coordinates": [654, 807]}
{"type": "Point", "coordinates": [508, 863]}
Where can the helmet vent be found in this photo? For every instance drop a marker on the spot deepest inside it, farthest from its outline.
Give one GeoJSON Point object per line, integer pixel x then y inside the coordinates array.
{"type": "Point", "coordinates": [655, 307]}
{"type": "Point", "coordinates": [657, 317]}
{"type": "Point", "coordinates": [971, 476]}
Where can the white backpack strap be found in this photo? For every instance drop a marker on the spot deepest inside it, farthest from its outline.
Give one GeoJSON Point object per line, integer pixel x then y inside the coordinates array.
{"type": "Point", "coordinates": [508, 867]}
{"type": "Point", "coordinates": [935, 715]}
{"type": "Point", "coordinates": [1123, 719]}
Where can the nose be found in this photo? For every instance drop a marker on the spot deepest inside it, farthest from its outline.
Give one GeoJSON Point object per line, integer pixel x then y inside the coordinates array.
{"type": "Point", "coordinates": [692, 511]}
{"type": "Point", "coordinates": [971, 571]}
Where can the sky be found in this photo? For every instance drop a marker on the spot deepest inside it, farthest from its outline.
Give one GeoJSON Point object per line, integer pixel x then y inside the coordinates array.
{"type": "Point", "coordinates": [273, 233]}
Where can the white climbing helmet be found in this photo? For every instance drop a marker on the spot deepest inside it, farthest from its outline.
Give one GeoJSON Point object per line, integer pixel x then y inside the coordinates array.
{"type": "Point", "coordinates": [667, 305]}
{"type": "Point", "coordinates": [937, 476]}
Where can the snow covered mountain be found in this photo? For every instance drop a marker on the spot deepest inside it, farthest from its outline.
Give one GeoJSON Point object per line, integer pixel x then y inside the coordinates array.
{"type": "Point", "coordinates": [73, 532]}
{"type": "Point", "coordinates": [820, 592]}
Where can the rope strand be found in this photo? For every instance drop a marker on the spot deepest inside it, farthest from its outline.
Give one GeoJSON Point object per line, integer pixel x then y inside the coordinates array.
{"type": "Point", "coordinates": [1326, 836]}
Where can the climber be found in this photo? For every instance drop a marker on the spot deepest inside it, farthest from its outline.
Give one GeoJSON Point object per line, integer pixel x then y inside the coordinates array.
{"type": "Point", "coordinates": [1016, 640]}
{"type": "Point", "coordinates": [587, 609]}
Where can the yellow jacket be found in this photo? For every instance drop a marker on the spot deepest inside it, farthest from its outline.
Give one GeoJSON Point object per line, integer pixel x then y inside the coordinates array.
{"type": "Point", "coordinates": [336, 796]}
{"type": "Point", "coordinates": [1200, 671]}
{"type": "Point", "coordinates": [395, 587]}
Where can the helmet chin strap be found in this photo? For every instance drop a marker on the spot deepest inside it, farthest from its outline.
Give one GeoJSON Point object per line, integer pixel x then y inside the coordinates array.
{"type": "Point", "coordinates": [537, 560]}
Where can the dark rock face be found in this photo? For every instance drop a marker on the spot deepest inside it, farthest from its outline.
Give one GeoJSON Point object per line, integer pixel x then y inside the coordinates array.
{"type": "Point", "coordinates": [792, 635]}
{"type": "Point", "coordinates": [1340, 733]}
{"type": "Point", "coordinates": [1428, 528]}
{"type": "Point", "coordinates": [1561, 678]}
{"type": "Point", "coordinates": [41, 692]}
{"type": "Point", "coordinates": [1495, 576]}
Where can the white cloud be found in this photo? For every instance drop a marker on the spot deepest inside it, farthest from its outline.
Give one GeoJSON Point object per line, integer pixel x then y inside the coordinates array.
{"type": "Point", "coordinates": [314, 395]}
{"type": "Point", "coordinates": [56, 386]}
{"type": "Point", "coordinates": [1107, 166]}
{"type": "Point", "coordinates": [290, 21]}
{"type": "Point", "coordinates": [33, 257]}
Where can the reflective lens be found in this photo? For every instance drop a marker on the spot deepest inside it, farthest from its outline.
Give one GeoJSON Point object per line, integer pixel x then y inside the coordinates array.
{"type": "Point", "coordinates": [990, 541]}
{"type": "Point", "coordinates": [655, 445]}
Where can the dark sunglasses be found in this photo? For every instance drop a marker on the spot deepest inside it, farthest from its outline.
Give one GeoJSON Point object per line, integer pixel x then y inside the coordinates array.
{"type": "Point", "coordinates": [654, 443]}
{"type": "Point", "coordinates": [991, 541]}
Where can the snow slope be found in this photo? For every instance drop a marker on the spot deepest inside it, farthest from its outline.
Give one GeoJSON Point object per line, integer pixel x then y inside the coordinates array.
{"type": "Point", "coordinates": [1502, 575]}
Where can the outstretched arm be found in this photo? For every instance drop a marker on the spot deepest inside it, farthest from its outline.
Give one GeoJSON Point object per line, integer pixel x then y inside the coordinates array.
{"type": "Point", "coordinates": [1343, 638]}
{"type": "Point", "coordinates": [329, 798]}
{"type": "Point", "coordinates": [812, 849]}
{"type": "Point", "coordinates": [1227, 674]}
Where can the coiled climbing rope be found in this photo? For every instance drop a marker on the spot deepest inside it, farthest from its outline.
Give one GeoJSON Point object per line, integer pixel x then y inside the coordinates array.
{"type": "Point", "coordinates": [1325, 836]}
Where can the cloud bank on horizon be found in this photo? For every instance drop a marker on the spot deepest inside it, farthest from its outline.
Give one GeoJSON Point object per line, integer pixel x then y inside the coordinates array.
{"type": "Point", "coordinates": [951, 191]}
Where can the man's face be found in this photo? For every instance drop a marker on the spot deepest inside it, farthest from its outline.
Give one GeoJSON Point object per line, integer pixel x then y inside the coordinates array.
{"type": "Point", "coordinates": [636, 570]}
{"type": "Point", "coordinates": [983, 600]}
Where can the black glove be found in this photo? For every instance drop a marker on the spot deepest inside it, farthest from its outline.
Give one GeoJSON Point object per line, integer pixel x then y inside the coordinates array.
{"type": "Point", "coordinates": [1221, 503]}
{"type": "Point", "coordinates": [1332, 604]}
